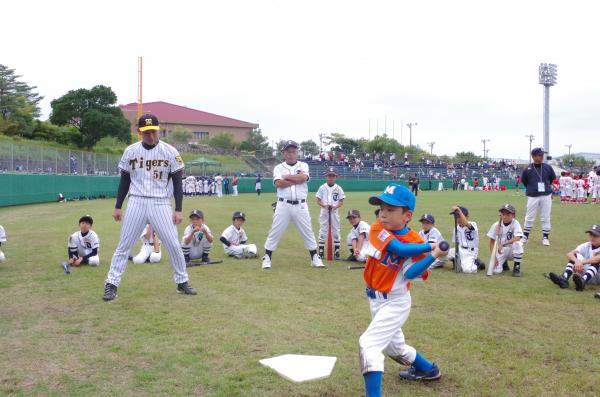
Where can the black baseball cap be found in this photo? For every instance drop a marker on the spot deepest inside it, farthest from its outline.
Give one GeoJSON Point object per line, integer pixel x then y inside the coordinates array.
{"type": "Point", "coordinates": [197, 213]}
{"type": "Point", "coordinates": [428, 218]}
{"type": "Point", "coordinates": [288, 144]}
{"type": "Point", "coordinates": [238, 215]}
{"type": "Point", "coordinates": [330, 171]}
{"type": "Point", "coordinates": [463, 210]}
{"type": "Point", "coordinates": [537, 151]}
{"type": "Point", "coordinates": [353, 213]}
{"type": "Point", "coordinates": [148, 122]}
{"type": "Point", "coordinates": [509, 208]}
{"type": "Point", "coordinates": [87, 219]}
{"type": "Point", "coordinates": [594, 229]}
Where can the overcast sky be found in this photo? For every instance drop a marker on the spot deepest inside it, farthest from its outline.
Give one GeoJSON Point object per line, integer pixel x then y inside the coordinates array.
{"type": "Point", "coordinates": [463, 70]}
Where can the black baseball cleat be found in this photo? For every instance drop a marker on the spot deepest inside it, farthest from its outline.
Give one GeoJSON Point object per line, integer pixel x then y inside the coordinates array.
{"type": "Point", "coordinates": [516, 272]}
{"type": "Point", "coordinates": [480, 264]}
{"type": "Point", "coordinates": [414, 374]}
{"type": "Point", "coordinates": [351, 258]}
{"type": "Point", "coordinates": [186, 289]}
{"type": "Point", "coordinates": [597, 295]}
{"type": "Point", "coordinates": [559, 280]}
{"type": "Point", "coordinates": [205, 259]}
{"type": "Point", "coordinates": [505, 267]}
{"type": "Point", "coordinates": [579, 283]}
{"type": "Point", "coordinates": [110, 292]}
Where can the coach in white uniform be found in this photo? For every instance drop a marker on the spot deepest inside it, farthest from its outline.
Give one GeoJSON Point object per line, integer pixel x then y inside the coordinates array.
{"type": "Point", "coordinates": [290, 178]}
{"type": "Point", "coordinates": [537, 178]}
{"type": "Point", "coordinates": [151, 171]}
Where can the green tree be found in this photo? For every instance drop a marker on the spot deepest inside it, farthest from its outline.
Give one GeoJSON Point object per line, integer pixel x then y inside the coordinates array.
{"type": "Point", "coordinates": [18, 104]}
{"type": "Point", "coordinates": [382, 144]}
{"type": "Point", "coordinates": [46, 131]}
{"type": "Point", "coordinates": [345, 144]}
{"type": "Point", "coordinates": [223, 141]}
{"type": "Point", "coordinates": [256, 141]}
{"type": "Point", "coordinates": [578, 161]}
{"type": "Point", "coordinates": [471, 157]}
{"type": "Point", "coordinates": [93, 113]}
{"type": "Point", "coordinates": [180, 134]}
{"type": "Point", "coordinates": [309, 147]}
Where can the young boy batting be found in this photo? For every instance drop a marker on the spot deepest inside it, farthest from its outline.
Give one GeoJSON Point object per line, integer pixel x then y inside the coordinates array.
{"type": "Point", "coordinates": [330, 197]}
{"type": "Point", "coordinates": [509, 244]}
{"type": "Point", "coordinates": [584, 263]}
{"type": "Point", "coordinates": [397, 255]}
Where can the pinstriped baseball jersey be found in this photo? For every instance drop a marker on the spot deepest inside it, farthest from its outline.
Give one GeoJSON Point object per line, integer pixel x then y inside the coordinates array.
{"type": "Point", "coordinates": [150, 169]}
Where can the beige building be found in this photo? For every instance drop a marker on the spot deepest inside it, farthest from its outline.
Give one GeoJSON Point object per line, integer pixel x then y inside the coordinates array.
{"type": "Point", "coordinates": [203, 125]}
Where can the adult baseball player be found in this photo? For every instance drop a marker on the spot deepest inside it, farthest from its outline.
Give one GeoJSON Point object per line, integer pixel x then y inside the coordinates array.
{"type": "Point", "coordinates": [150, 249]}
{"type": "Point", "coordinates": [234, 185]}
{"type": "Point", "coordinates": [219, 185]}
{"type": "Point", "coordinates": [235, 240]}
{"type": "Point", "coordinates": [84, 244]}
{"type": "Point", "coordinates": [595, 186]}
{"type": "Point", "coordinates": [291, 177]}
{"type": "Point", "coordinates": [151, 171]}
{"type": "Point", "coordinates": [2, 240]}
{"type": "Point", "coordinates": [537, 178]}
{"type": "Point", "coordinates": [330, 197]}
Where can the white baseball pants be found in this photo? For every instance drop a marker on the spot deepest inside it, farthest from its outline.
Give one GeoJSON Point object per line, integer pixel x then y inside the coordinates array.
{"type": "Point", "coordinates": [384, 334]}
{"type": "Point", "coordinates": [141, 211]}
{"type": "Point", "coordinates": [535, 204]}
{"type": "Point", "coordinates": [362, 256]}
{"type": "Point", "coordinates": [2, 257]}
{"type": "Point", "coordinates": [219, 191]}
{"type": "Point", "coordinates": [147, 252]}
{"type": "Point", "coordinates": [241, 251]}
{"type": "Point", "coordinates": [335, 226]}
{"type": "Point", "coordinates": [512, 252]}
{"type": "Point", "coordinates": [196, 251]}
{"type": "Point", "coordinates": [92, 260]}
{"type": "Point", "coordinates": [297, 213]}
{"type": "Point", "coordinates": [235, 191]}
{"type": "Point", "coordinates": [467, 259]}
{"type": "Point", "coordinates": [596, 191]}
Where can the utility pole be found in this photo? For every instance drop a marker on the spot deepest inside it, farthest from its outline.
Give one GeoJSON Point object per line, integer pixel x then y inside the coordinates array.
{"type": "Point", "coordinates": [531, 137]}
{"type": "Point", "coordinates": [484, 141]}
{"type": "Point", "coordinates": [430, 144]}
{"type": "Point", "coordinates": [410, 126]}
{"type": "Point", "coordinates": [547, 78]}
{"type": "Point", "coordinates": [569, 146]}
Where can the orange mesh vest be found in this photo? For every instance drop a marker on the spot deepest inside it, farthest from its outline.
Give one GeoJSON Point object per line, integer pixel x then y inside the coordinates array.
{"type": "Point", "coordinates": [380, 274]}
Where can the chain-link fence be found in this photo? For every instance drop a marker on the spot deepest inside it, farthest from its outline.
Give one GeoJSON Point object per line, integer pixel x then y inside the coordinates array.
{"type": "Point", "coordinates": [16, 157]}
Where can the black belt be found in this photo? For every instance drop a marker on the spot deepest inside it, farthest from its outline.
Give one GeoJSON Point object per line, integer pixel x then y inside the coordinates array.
{"type": "Point", "coordinates": [293, 202]}
{"type": "Point", "coordinates": [467, 248]}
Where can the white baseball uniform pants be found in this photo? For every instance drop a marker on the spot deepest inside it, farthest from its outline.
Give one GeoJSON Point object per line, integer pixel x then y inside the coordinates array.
{"type": "Point", "coordinates": [297, 213]}
{"type": "Point", "coordinates": [141, 211]}
{"type": "Point", "coordinates": [147, 252]}
{"type": "Point", "coordinates": [219, 191]}
{"type": "Point", "coordinates": [384, 334]}
{"type": "Point", "coordinates": [596, 192]}
{"type": "Point", "coordinates": [467, 259]}
{"type": "Point", "coordinates": [511, 252]}
{"type": "Point", "coordinates": [362, 256]}
{"type": "Point", "coordinates": [2, 257]}
{"type": "Point", "coordinates": [335, 226]}
{"type": "Point", "coordinates": [196, 251]}
{"type": "Point", "coordinates": [535, 204]}
{"type": "Point", "coordinates": [235, 191]}
{"type": "Point", "coordinates": [241, 251]}
{"type": "Point", "coordinates": [92, 260]}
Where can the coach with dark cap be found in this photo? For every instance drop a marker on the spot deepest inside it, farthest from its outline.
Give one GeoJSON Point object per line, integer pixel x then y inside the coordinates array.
{"type": "Point", "coordinates": [537, 179]}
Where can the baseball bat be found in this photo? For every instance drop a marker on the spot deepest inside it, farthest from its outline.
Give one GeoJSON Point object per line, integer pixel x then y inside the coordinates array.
{"type": "Point", "coordinates": [329, 240]}
{"type": "Point", "coordinates": [355, 267]}
{"type": "Point", "coordinates": [65, 267]}
{"type": "Point", "coordinates": [457, 266]}
{"type": "Point", "coordinates": [492, 264]}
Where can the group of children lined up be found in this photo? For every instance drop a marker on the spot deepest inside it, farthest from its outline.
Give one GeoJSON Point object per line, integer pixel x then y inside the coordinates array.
{"type": "Point", "coordinates": [578, 188]}
{"type": "Point", "coordinates": [84, 244]}
{"type": "Point", "coordinates": [209, 186]}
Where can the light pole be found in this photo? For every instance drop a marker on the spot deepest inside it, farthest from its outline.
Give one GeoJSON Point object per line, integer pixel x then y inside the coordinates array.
{"type": "Point", "coordinates": [569, 146]}
{"type": "Point", "coordinates": [410, 126]}
{"type": "Point", "coordinates": [430, 144]}
{"type": "Point", "coordinates": [531, 137]}
{"type": "Point", "coordinates": [547, 78]}
{"type": "Point", "coordinates": [484, 141]}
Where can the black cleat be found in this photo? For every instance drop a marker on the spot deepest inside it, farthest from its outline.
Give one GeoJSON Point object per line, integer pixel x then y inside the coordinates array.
{"type": "Point", "coordinates": [351, 258]}
{"type": "Point", "coordinates": [205, 259]}
{"type": "Point", "coordinates": [480, 264]}
{"type": "Point", "coordinates": [110, 292]}
{"type": "Point", "coordinates": [559, 280]}
{"type": "Point", "coordinates": [505, 267]}
{"type": "Point", "coordinates": [597, 295]}
{"type": "Point", "coordinates": [516, 272]}
{"type": "Point", "coordinates": [186, 289]}
{"type": "Point", "coordinates": [579, 283]}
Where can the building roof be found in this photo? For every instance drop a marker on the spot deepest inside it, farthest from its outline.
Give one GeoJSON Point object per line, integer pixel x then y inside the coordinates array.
{"type": "Point", "coordinates": [175, 114]}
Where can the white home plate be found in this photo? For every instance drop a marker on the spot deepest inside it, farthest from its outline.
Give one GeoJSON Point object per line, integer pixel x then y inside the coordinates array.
{"type": "Point", "coordinates": [300, 368]}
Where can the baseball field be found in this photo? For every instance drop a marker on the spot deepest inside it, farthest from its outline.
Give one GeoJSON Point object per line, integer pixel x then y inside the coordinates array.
{"type": "Point", "coordinates": [490, 336]}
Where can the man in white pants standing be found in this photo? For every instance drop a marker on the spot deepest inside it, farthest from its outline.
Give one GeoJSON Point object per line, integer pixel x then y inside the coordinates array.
{"type": "Point", "coordinates": [151, 173]}
{"type": "Point", "coordinates": [291, 177]}
{"type": "Point", "coordinates": [219, 185]}
{"type": "Point", "coordinates": [537, 178]}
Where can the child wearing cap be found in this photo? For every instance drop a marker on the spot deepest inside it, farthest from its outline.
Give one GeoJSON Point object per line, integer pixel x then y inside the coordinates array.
{"type": "Point", "coordinates": [359, 234]}
{"type": "Point", "coordinates": [468, 241]}
{"type": "Point", "coordinates": [150, 249]}
{"type": "Point", "coordinates": [431, 234]}
{"type": "Point", "coordinates": [584, 263]}
{"type": "Point", "coordinates": [330, 197]}
{"type": "Point", "coordinates": [396, 255]}
{"type": "Point", "coordinates": [2, 240]}
{"type": "Point", "coordinates": [509, 244]}
{"type": "Point", "coordinates": [197, 238]}
{"type": "Point", "coordinates": [84, 244]}
{"type": "Point", "coordinates": [235, 240]}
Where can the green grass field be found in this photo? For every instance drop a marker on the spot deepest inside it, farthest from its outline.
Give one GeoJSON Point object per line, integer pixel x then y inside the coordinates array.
{"type": "Point", "coordinates": [496, 336]}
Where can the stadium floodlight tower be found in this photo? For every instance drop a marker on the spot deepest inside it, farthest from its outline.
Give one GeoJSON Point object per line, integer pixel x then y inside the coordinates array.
{"type": "Point", "coordinates": [547, 78]}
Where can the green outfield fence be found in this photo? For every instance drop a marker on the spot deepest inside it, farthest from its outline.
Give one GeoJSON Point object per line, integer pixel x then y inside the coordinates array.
{"type": "Point", "coordinates": [17, 189]}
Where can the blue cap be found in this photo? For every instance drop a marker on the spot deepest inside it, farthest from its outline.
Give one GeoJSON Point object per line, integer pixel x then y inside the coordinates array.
{"type": "Point", "coordinates": [395, 195]}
